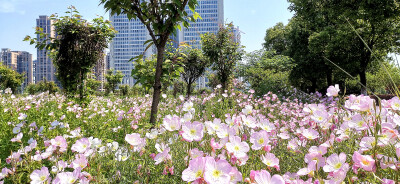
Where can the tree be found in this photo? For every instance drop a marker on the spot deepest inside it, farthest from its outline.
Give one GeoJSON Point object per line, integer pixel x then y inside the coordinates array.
{"type": "Point", "coordinates": [222, 50]}
{"type": "Point", "coordinates": [42, 86]}
{"type": "Point", "coordinates": [144, 71]}
{"type": "Point", "coordinates": [113, 80]}
{"type": "Point", "coordinates": [266, 71]}
{"type": "Point", "coordinates": [161, 18]}
{"type": "Point", "coordinates": [194, 64]}
{"type": "Point", "coordinates": [10, 78]}
{"type": "Point", "coordinates": [79, 45]}
{"type": "Point", "coordinates": [356, 27]}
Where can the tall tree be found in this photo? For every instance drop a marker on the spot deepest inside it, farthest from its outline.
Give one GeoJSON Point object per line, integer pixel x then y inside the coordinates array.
{"type": "Point", "coordinates": [194, 64]}
{"type": "Point", "coordinates": [10, 78]}
{"type": "Point", "coordinates": [223, 51]}
{"type": "Point", "coordinates": [357, 27]}
{"type": "Point", "coordinates": [161, 18]}
{"type": "Point", "coordinates": [79, 45]}
{"type": "Point", "coordinates": [113, 79]}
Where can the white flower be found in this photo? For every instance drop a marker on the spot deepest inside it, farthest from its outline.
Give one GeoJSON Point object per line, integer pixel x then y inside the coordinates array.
{"type": "Point", "coordinates": [333, 91]}
{"type": "Point", "coordinates": [237, 147]}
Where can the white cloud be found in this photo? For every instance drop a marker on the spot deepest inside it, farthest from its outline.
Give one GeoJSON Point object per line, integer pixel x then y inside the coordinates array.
{"type": "Point", "coordinates": [10, 6]}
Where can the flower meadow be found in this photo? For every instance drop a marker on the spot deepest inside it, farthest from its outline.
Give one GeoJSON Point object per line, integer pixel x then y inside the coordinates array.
{"type": "Point", "coordinates": [217, 138]}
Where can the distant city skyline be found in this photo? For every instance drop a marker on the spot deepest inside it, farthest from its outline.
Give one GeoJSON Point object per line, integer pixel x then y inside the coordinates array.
{"type": "Point", "coordinates": [20, 17]}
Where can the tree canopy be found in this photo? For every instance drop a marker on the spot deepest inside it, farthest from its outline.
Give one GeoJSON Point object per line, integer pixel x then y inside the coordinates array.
{"type": "Point", "coordinates": [10, 78]}
{"type": "Point", "coordinates": [161, 19]}
{"type": "Point", "coordinates": [223, 51]}
{"type": "Point", "coordinates": [79, 45]}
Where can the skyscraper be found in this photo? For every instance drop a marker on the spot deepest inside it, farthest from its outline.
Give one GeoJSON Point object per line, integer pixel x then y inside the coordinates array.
{"type": "Point", "coordinates": [212, 14]}
{"type": "Point", "coordinates": [131, 35]}
{"type": "Point", "coordinates": [127, 43]}
{"type": "Point", "coordinates": [20, 61]}
{"type": "Point", "coordinates": [44, 66]}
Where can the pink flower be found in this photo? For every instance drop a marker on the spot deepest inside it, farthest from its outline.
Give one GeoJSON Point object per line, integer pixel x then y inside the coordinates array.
{"type": "Point", "coordinates": [18, 137]}
{"type": "Point", "coordinates": [263, 177]}
{"type": "Point", "coordinates": [192, 131]}
{"type": "Point", "coordinates": [247, 110]}
{"type": "Point", "coordinates": [40, 176]}
{"type": "Point", "coordinates": [310, 133]}
{"type": "Point", "coordinates": [60, 142]}
{"type": "Point", "coordinates": [335, 162]}
{"type": "Point", "coordinates": [237, 147]}
{"type": "Point", "coordinates": [195, 170]}
{"type": "Point", "coordinates": [136, 141]}
{"type": "Point", "coordinates": [67, 177]}
{"type": "Point", "coordinates": [311, 167]}
{"type": "Point", "coordinates": [259, 139]}
{"type": "Point", "coordinates": [315, 156]}
{"type": "Point", "coordinates": [365, 162]}
{"type": "Point", "coordinates": [249, 121]}
{"type": "Point", "coordinates": [333, 91]}
{"type": "Point", "coordinates": [217, 172]}
{"type": "Point", "coordinates": [79, 162]}
{"type": "Point", "coordinates": [236, 176]}
{"type": "Point", "coordinates": [172, 123]}
{"type": "Point", "coordinates": [160, 157]}
{"type": "Point", "coordinates": [270, 160]}
{"type": "Point", "coordinates": [81, 145]}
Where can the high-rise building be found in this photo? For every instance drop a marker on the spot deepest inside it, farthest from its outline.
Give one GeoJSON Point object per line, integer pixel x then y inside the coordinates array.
{"type": "Point", "coordinates": [34, 70]}
{"type": "Point", "coordinates": [20, 61]}
{"type": "Point", "coordinates": [212, 14]}
{"type": "Point", "coordinates": [131, 35]}
{"type": "Point", "coordinates": [126, 44]}
{"type": "Point", "coordinates": [44, 66]}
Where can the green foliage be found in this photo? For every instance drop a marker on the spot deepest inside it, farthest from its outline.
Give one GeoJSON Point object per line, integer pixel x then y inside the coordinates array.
{"type": "Point", "coordinates": [222, 50]}
{"type": "Point", "coordinates": [92, 85]}
{"type": "Point", "coordinates": [10, 78]}
{"type": "Point", "coordinates": [144, 70]}
{"type": "Point", "coordinates": [113, 80]}
{"type": "Point", "coordinates": [178, 88]}
{"type": "Point", "coordinates": [77, 48]}
{"type": "Point", "coordinates": [344, 32]}
{"type": "Point", "coordinates": [124, 89]}
{"type": "Point", "coordinates": [161, 19]}
{"type": "Point", "coordinates": [266, 71]}
{"type": "Point", "coordinates": [42, 86]}
{"type": "Point", "coordinates": [194, 64]}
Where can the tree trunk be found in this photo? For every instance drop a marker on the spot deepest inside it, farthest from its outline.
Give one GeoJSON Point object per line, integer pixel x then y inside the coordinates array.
{"type": "Point", "coordinates": [313, 85]}
{"type": "Point", "coordinates": [157, 84]}
{"type": "Point", "coordinates": [363, 80]}
{"type": "Point", "coordinates": [363, 70]}
{"type": "Point", "coordinates": [329, 77]}
{"type": "Point", "coordinates": [189, 89]}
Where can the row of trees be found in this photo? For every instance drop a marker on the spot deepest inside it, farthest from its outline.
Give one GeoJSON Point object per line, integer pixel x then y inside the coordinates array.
{"type": "Point", "coordinates": [326, 37]}
{"type": "Point", "coordinates": [80, 44]}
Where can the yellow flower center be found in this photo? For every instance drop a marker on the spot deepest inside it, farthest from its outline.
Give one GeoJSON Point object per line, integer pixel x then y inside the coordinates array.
{"type": "Point", "coordinates": [237, 148]}
{"type": "Point", "coordinates": [217, 173]}
{"type": "Point", "coordinates": [338, 165]}
{"type": "Point", "coordinates": [192, 132]}
{"type": "Point", "coordinates": [199, 173]}
{"type": "Point", "coordinates": [260, 141]}
{"type": "Point", "coordinates": [42, 178]}
{"type": "Point", "coordinates": [365, 162]}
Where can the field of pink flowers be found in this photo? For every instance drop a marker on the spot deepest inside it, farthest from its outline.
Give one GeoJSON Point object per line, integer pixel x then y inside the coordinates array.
{"type": "Point", "coordinates": [219, 138]}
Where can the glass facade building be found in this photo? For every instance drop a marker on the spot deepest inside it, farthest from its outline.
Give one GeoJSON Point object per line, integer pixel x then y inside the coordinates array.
{"type": "Point", "coordinates": [127, 43]}
{"type": "Point", "coordinates": [131, 35]}
{"type": "Point", "coordinates": [44, 65]}
{"type": "Point", "coordinates": [20, 61]}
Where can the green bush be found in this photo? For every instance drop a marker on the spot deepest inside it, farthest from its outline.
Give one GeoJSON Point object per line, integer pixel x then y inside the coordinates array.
{"type": "Point", "coordinates": [42, 86]}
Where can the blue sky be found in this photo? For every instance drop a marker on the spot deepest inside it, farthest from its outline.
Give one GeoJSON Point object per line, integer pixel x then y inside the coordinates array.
{"type": "Point", "coordinates": [18, 18]}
